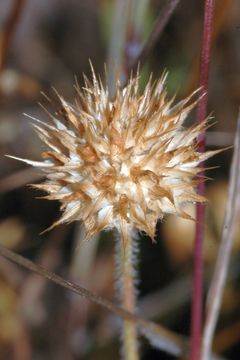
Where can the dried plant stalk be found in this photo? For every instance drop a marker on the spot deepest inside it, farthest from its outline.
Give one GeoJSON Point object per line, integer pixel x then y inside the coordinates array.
{"type": "Point", "coordinates": [9, 30]}
{"type": "Point", "coordinates": [167, 340]}
{"type": "Point", "coordinates": [134, 36]}
{"type": "Point", "coordinates": [159, 26]}
{"type": "Point", "coordinates": [196, 318]}
{"type": "Point", "coordinates": [220, 273]}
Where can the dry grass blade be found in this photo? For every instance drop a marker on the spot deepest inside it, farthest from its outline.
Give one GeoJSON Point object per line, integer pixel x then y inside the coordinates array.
{"type": "Point", "coordinates": [170, 342]}
{"type": "Point", "coordinates": [9, 30]}
{"type": "Point", "coordinates": [135, 34]}
{"type": "Point", "coordinates": [160, 24]}
{"type": "Point", "coordinates": [18, 179]}
{"type": "Point", "coordinates": [220, 273]}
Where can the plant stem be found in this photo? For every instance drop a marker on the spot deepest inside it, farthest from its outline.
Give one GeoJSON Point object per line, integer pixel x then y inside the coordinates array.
{"type": "Point", "coordinates": [127, 278]}
{"type": "Point", "coordinates": [196, 322]}
{"type": "Point", "coordinates": [116, 44]}
{"type": "Point", "coordinates": [134, 36]}
{"type": "Point", "coordinates": [164, 336]}
{"type": "Point", "coordinates": [216, 289]}
{"type": "Point", "coordinates": [9, 30]}
{"type": "Point", "coordinates": [160, 24]}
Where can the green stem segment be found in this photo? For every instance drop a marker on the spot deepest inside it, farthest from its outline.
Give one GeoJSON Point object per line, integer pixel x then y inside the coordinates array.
{"type": "Point", "coordinates": [128, 292]}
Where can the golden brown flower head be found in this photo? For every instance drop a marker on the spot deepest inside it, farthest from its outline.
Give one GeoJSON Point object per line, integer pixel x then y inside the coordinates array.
{"type": "Point", "coordinates": [122, 162]}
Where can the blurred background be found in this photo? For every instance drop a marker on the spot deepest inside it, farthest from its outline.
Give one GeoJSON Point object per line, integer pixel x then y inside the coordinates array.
{"type": "Point", "coordinates": [48, 43]}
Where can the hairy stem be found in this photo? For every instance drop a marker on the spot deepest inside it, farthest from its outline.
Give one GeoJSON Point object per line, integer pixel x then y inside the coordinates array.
{"type": "Point", "coordinates": [126, 286]}
{"type": "Point", "coordinates": [196, 324]}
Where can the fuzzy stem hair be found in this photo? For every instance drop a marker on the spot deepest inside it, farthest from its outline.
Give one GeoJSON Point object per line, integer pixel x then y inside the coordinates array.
{"type": "Point", "coordinates": [126, 281]}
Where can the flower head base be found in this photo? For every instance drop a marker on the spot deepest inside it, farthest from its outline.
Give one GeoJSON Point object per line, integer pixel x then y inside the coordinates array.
{"type": "Point", "coordinates": [122, 162]}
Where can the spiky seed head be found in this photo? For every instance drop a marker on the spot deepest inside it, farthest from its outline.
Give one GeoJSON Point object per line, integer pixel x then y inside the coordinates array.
{"type": "Point", "coordinates": [122, 162]}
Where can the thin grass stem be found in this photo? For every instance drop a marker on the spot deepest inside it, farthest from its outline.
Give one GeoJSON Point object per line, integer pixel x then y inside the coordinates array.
{"type": "Point", "coordinates": [9, 30]}
{"type": "Point", "coordinates": [196, 313]}
{"type": "Point", "coordinates": [220, 273]}
{"type": "Point", "coordinates": [160, 24]}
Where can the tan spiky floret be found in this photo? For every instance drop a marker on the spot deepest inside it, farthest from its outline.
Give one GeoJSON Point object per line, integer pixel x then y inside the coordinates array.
{"type": "Point", "coordinates": [122, 162]}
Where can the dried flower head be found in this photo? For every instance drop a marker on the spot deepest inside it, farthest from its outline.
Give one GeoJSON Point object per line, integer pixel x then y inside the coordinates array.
{"type": "Point", "coordinates": [122, 162]}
